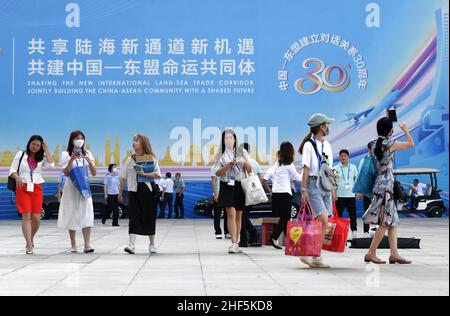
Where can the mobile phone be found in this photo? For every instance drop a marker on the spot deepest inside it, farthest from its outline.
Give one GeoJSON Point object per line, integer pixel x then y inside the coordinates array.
{"type": "Point", "coordinates": [392, 114]}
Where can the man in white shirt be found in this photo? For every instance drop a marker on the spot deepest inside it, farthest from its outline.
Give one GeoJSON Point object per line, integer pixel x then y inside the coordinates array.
{"type": "Point", "coordinates": [417, 191]}
{"type": "Point", "coordinates": [167, 195]}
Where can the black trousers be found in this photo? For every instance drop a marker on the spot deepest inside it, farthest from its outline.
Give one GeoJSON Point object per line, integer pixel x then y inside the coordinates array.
{"type": "Point", "coordinates": [179, 205]}
{"type": "Point", "coordinates": [415, 201]}
{"type": "Point", "coordinates": [281, 206]}
{"type": "Point", "coordinates": [168, 199]}
{"type": "Point", "coordinates": [247, 226]}
{"type": "Point", "coordinates": [112, 206]}
{"type": "Point", "coordinates": [367, 202]}
{"type": "Point", "coordinates": [348, 204]}
{"type": "Point", "coordinates": [217, 215]}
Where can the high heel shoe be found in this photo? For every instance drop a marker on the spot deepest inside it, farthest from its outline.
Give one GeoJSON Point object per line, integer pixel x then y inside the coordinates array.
{"type": "Point", "coordinates": [372, 259]}
{"type": "Point", "coordinates": [394, 260]}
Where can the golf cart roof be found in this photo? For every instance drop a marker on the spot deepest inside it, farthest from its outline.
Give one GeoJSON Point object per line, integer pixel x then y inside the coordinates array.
{"type": "Point", "coordinates": [415, 171]}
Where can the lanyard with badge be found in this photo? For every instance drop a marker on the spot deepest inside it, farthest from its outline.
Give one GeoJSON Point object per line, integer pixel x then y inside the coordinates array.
{"type": "Point", "coordinates": [232, 179]}
{"type": "Point", "coordinates": [32, 163]}
{"type": "Point", "coordinates": [346, 181]}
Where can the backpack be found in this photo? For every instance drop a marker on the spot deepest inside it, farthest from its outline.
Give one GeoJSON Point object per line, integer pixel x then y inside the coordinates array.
{"type": "Point", "coordinates": [366, 178]}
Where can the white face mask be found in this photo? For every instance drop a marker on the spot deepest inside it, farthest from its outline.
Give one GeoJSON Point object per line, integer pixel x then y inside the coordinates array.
{"type": "Point", "coordinates": [78, 143]}
{"type": "Point", "coordinates": [115, 171]}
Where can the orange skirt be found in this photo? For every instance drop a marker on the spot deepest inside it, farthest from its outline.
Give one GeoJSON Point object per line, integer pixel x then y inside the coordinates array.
{"type": "Point", "coordinates": [29, 202]}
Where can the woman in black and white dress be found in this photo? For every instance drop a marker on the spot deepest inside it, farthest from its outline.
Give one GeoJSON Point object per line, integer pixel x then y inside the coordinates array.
{"type": "Point", "coordinates": [233, 164]}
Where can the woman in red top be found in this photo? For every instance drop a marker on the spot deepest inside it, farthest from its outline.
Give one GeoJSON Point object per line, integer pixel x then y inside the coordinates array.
{"type": "Point", "coordinates": [26, 169]}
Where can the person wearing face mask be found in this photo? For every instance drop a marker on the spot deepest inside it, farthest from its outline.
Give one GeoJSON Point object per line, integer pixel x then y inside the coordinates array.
{"type": "Point", "coordinates": [112, 184]}
{"type": "Point", "coordinates": [315, 150]}
{"type": "Point", "coordinates": [76, 212]}
{"type": "Point", "coordinates": [383, 209]}
{"type": "Point", "coordinates": [26, 169]}
{"type": "Point", "coordinates": [233, 164]}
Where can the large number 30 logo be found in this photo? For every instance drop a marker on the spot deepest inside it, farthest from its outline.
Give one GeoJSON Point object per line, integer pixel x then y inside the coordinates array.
{"type": "Point", "coordinates": [321, 78]}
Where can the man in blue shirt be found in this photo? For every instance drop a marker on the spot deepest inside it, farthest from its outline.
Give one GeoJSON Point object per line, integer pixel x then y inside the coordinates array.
{"type": "Point", "coordinates": [346, 199]}
{"type": "Point", "coordinates": [180, 188]}
{"type": "Point", "coordinates": [112, 184]}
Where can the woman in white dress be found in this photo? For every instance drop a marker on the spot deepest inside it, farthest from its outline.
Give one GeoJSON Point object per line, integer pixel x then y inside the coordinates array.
{"type": "Point", "coordinates": [76, 212]}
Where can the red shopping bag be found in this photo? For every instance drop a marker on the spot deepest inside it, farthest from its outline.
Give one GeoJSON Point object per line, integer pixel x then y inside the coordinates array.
{"type": "Point", "coordinates": [304, 237]}
{"type": "Point", "coordinates": [336, 233]}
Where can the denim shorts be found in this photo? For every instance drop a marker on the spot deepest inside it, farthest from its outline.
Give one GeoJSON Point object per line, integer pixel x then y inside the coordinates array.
{"type": "Point", "coordinates": [319, 200]}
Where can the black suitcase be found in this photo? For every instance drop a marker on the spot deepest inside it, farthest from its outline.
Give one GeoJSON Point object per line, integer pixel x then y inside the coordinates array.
{"type": "Point", "coordinates": [403, 243]}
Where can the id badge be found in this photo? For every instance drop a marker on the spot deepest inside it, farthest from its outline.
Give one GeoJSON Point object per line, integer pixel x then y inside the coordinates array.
{"type": "Point", "coordinates": [30, 187]}
{"type": "Point", "coordinates": [231, 182]}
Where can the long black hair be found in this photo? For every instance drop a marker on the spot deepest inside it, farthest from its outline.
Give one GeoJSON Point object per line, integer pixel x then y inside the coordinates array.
{"type": "Point", "coordinates": [70, 146]}
{"type": "Point", "coordinates": [384, 129]}
{"type": "Point", "coordinates": [39, 156]}
{"type": "Point", "coordinates": [229, 131]}
{"type": "Point", "coordinates": [286, 154]}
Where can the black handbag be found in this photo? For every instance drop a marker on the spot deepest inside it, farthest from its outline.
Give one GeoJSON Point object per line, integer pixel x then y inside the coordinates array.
{"type": "Point", "coordinates": [399, 194]}
{"type": "Point", "coordinates": [11, 181]}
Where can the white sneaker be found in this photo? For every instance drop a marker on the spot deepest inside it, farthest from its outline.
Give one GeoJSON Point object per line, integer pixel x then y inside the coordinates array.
{"type": "Point", "coordinates": [233, 249]}
{"type": "Point", "coordinates": [350, 236]}
{"type": "Point", "coordinates": [152, 249]}
{"type": "Point", "coordinates": [219, 236]}
{"type": "Point", "coordinates": [355, 235]}
{"type": "Point", "coordinates": [227, 236]}
{"type": "Point", "coordinates": [73, 250]}
{"type": "Point", "coordinates": [317, 263]}
{"type": "Point", "coordinates": [306, 260]}
{"type": "Point", "coordinates": [131, 249]}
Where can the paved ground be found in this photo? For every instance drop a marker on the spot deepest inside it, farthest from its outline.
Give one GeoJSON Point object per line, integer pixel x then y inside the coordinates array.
{"type": "Point", "coordinates": [191, 262]}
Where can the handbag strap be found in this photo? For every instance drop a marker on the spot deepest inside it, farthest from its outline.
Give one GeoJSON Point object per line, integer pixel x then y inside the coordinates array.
{"type": "Point", "coordinates": [335, 212]}
{"type": "Point", "coordinates": [20, 162]}
{"type": "Point", "coordinates": [18, 170]}
{"type": "Point", "coordinates": [306, 208]}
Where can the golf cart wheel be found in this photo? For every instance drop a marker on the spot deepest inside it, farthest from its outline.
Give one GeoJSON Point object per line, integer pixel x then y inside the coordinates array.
{"type": "Point", "coordinates": [435, 212]}
{"type": "Point", "coordinates": [294, 211]}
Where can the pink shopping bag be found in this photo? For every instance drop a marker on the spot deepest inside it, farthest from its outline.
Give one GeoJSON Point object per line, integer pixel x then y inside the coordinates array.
{"type": "Point", "coordinates": [304, 235]}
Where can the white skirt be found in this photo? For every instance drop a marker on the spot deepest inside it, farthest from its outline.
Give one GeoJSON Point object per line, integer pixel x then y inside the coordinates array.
{"type": "Point", "coordinates": [75, 211]}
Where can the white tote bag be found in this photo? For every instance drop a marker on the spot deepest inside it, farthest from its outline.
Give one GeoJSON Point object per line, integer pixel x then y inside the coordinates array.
{"type": "Point", "coordinates": [254, 191]}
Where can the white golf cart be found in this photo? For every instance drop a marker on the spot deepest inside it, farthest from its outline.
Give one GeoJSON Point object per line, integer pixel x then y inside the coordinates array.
{"type": "Point", "coordinates": [431, 203]}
